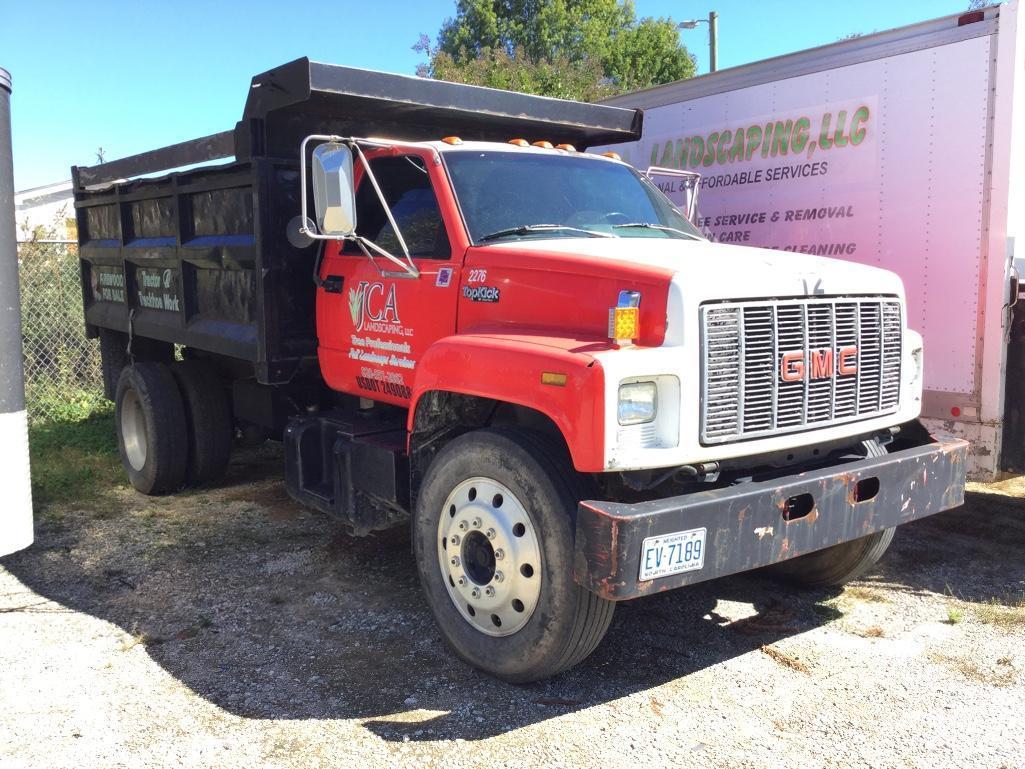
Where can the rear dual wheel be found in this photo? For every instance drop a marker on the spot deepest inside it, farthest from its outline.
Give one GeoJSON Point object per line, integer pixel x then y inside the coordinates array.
{"type": "Point", "coordinates": [152, 437]}
{"type": "Point", "coordinates": [493, 534]}
{"type": "Point", "coordinates": [207, 419]}
{"type": "Point", "coordinates": [173, 425]}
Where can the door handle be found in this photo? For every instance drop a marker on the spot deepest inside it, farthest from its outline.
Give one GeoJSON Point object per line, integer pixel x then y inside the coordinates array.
{"type": "Point", "coordinates": [333, 284]}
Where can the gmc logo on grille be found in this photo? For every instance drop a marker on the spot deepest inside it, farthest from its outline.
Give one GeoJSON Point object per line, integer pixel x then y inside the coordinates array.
{"type": "Point", "coordinates": [818, 364]}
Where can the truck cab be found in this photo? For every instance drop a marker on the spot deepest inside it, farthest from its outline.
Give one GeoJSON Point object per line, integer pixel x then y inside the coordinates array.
{"type": "Point", "coordinates": [522, 351]}
{"type": "Point", "coordinates": [517, 250]}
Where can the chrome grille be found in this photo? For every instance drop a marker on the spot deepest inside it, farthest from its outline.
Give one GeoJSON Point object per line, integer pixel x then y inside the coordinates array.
{"type": "Point", "coordinates": [748, 346]}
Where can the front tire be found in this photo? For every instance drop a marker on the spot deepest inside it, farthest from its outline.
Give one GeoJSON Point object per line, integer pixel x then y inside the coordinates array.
{"type": "Point", "coordinates": [151, 433]}
{"type": "Point", "coordinates": [837, 565]}
{"type": "Point", "coordinates": [493, 535]}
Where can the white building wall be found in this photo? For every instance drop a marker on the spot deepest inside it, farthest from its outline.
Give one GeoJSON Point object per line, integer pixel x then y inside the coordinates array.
{"type": "Point", "coordinates": [45, 210]}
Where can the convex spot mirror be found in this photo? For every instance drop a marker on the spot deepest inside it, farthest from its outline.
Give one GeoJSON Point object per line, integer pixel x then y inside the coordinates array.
{"type": "Point", "coordinates": [334, 190]}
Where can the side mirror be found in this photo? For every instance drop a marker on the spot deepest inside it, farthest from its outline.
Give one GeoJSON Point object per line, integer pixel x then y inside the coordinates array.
{"type": "Point", "coordinates": [334, 190]}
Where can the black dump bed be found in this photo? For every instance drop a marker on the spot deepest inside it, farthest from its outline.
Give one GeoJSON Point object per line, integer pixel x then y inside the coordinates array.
{"type": "Point", "coordinates": [201, 257]}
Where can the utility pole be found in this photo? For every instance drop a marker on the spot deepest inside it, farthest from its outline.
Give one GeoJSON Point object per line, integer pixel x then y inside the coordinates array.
{"type": "Point", "coordinates": [16, 512]}
{"type": "Point", "coordinates": [713, 41]}
{"type": "Point", "coordinates": [713, 36]}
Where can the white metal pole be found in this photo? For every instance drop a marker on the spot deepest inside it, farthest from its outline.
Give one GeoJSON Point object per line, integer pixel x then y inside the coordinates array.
{"type": "Point", "coordinates": [15, 483]}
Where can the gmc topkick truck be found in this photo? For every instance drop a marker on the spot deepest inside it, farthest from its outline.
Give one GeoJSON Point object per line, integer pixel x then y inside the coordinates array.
{"type": "Point", "coordinates": [457, 320]}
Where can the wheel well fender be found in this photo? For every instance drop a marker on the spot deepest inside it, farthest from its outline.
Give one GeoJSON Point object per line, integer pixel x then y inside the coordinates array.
{"type": "Point", "coordinates": [466, 381]}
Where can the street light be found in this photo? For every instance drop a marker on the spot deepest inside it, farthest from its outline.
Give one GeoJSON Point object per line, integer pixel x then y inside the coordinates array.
{"type": "Point", "coordinates": [713, 36]}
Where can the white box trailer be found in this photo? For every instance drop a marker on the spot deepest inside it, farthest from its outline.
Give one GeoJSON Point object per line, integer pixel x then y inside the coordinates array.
{"type": "Point", "coordinates": [901, 149]}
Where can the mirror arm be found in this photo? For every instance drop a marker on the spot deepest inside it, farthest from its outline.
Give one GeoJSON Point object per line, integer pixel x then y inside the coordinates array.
{"type": "Point", "coordinates": [408, 270]}
{"type": "Point", "coordinates": [693, 181]}
{"type": "Point", "coordinates": [409, 266]}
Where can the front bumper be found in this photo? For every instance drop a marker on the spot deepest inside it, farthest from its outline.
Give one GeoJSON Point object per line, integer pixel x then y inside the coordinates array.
{"type": "Point", "coordinates": [748, 527]}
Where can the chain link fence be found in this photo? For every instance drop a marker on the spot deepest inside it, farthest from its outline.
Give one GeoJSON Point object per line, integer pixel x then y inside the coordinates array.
{"type": "Point", "coordinates": [62, 367]}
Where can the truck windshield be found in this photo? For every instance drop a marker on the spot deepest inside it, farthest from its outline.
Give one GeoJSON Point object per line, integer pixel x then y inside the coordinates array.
{"type": "Point", "coordinates": [509, 195]}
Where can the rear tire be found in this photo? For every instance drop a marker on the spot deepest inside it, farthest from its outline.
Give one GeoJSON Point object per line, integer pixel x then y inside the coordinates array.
{"type": "Point", "coordinates": [113, 359]}
{"type": "Point", "coordinates": [151, 433]}
{"type": "Point", "coordinates": [837, 565]}
{"type": "Point", "coordinates": [514, 538]}
{"type": "Point", "coordinates": [207, 419]}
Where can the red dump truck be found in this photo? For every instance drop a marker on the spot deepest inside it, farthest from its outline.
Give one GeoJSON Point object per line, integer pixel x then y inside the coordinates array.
{"type": "Point", "coordinates": [457, 320]}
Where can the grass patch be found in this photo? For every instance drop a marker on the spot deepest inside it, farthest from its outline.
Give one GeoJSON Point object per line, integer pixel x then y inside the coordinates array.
{"type": "Point", "coordinates": [50, 404]}
{"type": "Point", "coordinates": [1009, 614]}
{"type": "Point", "coordinates": [1002, 674]}
{"type": "Point", "coordinates": [74, 459]}
{"type": "Point", "coordinates": [784, 659]}
{"type": "Point", "coordinates": [864, 594]}
{"type": "Point", "coordinates": [1006, 612]}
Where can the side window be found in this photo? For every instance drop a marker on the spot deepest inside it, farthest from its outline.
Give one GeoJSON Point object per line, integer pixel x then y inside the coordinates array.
{"type": "Point", "coordinates": [407, 188]}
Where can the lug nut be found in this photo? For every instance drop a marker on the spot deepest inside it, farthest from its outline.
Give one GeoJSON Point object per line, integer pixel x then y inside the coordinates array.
{"type": "Point", "coordinates": [499, 576]}
{"type": "Point", "coordinates": [461, 581]}
{"type": "Point", "coordinates": [475, 592]}
{"type": "Point", "coordinates": [462, 525]}
{"type": "Point", "coordinates": [454, 539]}
{"type": "Point", "coordinates": [476, 523]}
{"type": "Point", "coordinates": [455, 560]}
{"type": "Point", "coordinates": [499, 554]}
{"type": "Point", "coordinates": [490, 533]}
{"type": "Point", "coordinates": [489, 591]}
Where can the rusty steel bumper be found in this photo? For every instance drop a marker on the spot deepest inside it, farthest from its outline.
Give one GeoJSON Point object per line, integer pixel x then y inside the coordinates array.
{"type": "Point", "coordinates": [760, 523]}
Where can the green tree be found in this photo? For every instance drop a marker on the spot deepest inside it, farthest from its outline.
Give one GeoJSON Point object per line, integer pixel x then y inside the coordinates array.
{"type": "Point", "coordinates": [577, 49]}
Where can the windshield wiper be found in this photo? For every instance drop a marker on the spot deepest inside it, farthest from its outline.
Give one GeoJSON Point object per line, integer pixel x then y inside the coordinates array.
{"type": "Point", "coordinates": [660, 227]}
{"type": "Point", "coordinates": [525, 229]}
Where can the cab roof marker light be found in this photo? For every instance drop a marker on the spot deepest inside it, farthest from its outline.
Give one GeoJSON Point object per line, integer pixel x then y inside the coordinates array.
{"type": "Point", "coordinates": [452, 140]}
{"type": "Point", "coordinates": [545, 145]}
{"type": "Point", "coordinates": [519, 142]}
{"type": "Point", "coordinates": [610, 154]}
{"type": "Point", "coordinates": [566, 147]}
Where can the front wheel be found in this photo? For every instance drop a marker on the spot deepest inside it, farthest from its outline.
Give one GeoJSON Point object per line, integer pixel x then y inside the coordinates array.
{"type": "Point", "coordinates": [837, 565]}
{"type": "Point", "coordinates": [493, 535]}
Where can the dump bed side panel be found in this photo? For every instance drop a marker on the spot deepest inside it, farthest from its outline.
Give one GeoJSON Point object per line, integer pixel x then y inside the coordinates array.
{"type": "Point", "coordinates": [202, 259]}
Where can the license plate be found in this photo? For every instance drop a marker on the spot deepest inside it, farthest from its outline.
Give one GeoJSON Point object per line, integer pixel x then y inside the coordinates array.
{"type": "Point", "coordinates": [674, 553]}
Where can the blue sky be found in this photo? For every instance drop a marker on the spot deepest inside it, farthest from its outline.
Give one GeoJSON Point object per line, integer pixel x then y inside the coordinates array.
{"type": "Point", "coordinates": [132, 76]}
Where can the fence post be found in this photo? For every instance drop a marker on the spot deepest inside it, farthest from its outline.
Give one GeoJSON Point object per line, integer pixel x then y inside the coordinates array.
{"type": "Point", "coordinates": [15, 483]}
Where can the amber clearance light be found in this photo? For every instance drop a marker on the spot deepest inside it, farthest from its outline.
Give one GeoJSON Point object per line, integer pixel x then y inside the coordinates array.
{"type": "Point", "coordinates": [625, 318]}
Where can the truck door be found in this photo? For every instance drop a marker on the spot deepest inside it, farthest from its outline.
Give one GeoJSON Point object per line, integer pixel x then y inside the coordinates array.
{"type": "Point", "coordinates": [373, 329]}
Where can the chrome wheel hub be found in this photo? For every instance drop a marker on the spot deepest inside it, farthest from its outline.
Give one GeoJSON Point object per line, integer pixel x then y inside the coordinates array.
{"type": "Point", "coordinates": [489, 556]}
{"type": "Point", "coordinates": [133, 430]}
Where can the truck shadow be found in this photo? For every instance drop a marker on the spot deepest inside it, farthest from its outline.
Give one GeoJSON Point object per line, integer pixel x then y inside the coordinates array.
{"type": "Point", "coordinates": [975, 553]}
{"type": "Point", "coordinates": [265, 610]}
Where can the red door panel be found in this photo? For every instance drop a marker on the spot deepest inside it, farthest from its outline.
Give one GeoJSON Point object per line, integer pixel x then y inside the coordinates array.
{"type": "Point", "coordinates": [375, 329]}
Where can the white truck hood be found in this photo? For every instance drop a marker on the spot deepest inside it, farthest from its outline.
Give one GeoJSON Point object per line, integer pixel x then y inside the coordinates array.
{"type": "Point", "coordinates": [708, 270]}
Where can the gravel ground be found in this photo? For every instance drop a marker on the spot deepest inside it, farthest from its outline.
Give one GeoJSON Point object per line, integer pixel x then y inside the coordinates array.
{"type": "Point", "coordinates": [233, 628]}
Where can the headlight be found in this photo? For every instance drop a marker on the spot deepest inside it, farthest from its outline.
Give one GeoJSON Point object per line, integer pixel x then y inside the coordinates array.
{"type": "Point", "coordinates": [637, 403]}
